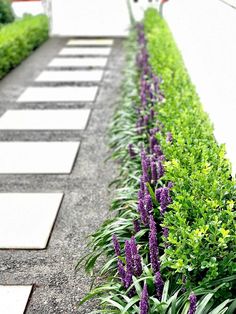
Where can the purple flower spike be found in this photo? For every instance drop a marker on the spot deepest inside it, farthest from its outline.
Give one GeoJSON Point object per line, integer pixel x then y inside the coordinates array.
{"type": "Point", "coordinates": [136, 257]}
{"type": "Point", "coordinates": [153, 143]}
{"type": "Point", "coordinates": [152, 113]}
{"type": "Point", "coordinates": [165, 232]}
{"type": "Point", "coordinates": [193, 304]}
{"type": "Point", "coordinates": [161, 170]}
{"type": "Point", "coordinates": [145, 166]}
{"type": "Point", "coordinates": [153, 246]}
{"type": "Point", "coordinates": [157, 150]}
{"type": "Point", "coordinates": [152, 224]}
{"type": "Point", "coordinates": [158, 194]}
{"type": "Point", "coordinates": [136, 225]}
{"type": "Point", "coordinates": [146, 120]}
{"type": "Point", "coordinates": [143, 305]}
{"type": "Point", "coordinates": [148, 203]}
{"type": "Point", "coordinates": [129, 264]}
{"type": "Point", "coordinates": [121, 271]}
{"type": "Point", "coordinates": [128, 257]}
{"type": "Point", "coordinates": [143, 212]}
{"type": "Point", "coordinates": [116, 245]}
{"type": "Point", "coordinates": [131, 151]}
{"type": "Point", "coordinates": [165, 199]}
{"type": "Point", "coordinates": [154, 171]}
{"type": "Point", "coordinates": [169, 137]}
{"type": "Point", "coordinates": [159, 284]}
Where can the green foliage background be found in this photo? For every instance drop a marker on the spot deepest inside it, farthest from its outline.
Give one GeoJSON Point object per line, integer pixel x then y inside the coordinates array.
{"type": "Point", "coordinates": [19, 39]}
{"type": "Point", "coordinates": [6, 12]}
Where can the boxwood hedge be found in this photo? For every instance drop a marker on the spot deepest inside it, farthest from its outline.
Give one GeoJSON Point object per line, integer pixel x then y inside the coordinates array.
{"type": "Point", "coordinates": [19, 39]}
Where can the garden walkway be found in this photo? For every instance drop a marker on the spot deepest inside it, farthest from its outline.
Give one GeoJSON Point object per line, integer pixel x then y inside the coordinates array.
{"type": "Point", "coordinates": [55, 109]}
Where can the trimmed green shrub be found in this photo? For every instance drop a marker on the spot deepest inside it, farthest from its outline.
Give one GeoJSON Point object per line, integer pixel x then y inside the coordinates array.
{"type": "Point", "coordinates": [6, 12]}
{"type": "Point", "coordinates": [19, 39]}
{"type": "Point", "coordinates": [201, 219]}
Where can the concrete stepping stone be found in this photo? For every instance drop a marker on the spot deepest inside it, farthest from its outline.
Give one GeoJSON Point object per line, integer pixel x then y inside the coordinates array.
{"type": "Point", "coordinates": [90, 42]}
{"type": "Point", "coordinates": [58, 94]}
{"type": "Point", "coordinates": [70, 76]}
{"type": "Point", "coordinates": [78, 62]}
{"type": "Point", "coordinates": [13, 299]}
{"type": "Point", "coordinates": [37, 157]}
{"type": "Point", "coordinates": [45, 119]}
{"type": "Point", "coordinates": [85, 51]}
{"type": "Point", "coordinates": [26, 219]}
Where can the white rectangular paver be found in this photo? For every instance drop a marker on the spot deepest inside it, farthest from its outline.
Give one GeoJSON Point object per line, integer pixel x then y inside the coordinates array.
{"type": "Point", "coordinates": [85, 51]}
{"type": "Point", "coordinates": [13, 299]}
{"type": "Point", "coordinates": [58, 94]}
{"type": "Point", "coordinates": [78, 62]}
{"type": "Point", "coordinates": [26, 219]}
{"type": "Point", "coordinates": [37, 157]}
{"type": "Point", "coordinates": [90, 42]}
{"type": "Point", "coordinates": [70, 76]}
{"type": "Point", "coordinates": [71, 119]}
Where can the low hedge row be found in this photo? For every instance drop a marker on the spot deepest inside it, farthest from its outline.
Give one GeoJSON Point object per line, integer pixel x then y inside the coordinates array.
{"type": "Point", "coordinates": [171, 244]}
{"type": "Point", "coordinates": [19, 39]}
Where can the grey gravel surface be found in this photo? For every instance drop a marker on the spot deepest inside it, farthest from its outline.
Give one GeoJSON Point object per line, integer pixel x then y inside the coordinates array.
{"type": "Point", "coordinates": [57, 287]}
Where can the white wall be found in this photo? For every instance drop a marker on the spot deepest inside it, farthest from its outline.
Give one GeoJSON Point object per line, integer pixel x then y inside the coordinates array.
{"type": "Point", "coordinates": [93, 17]}
{"type": "Point", "coordinates": [205, 31]}
{"type": "Point", "coordinates": [29, 7]}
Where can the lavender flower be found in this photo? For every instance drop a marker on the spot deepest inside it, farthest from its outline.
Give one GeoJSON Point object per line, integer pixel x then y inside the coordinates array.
{"type": "Point", "coordinates": [169, 137]}
{"type": "Point", "coordinates": [153, 143]}
{"type": "Point", "coordinates": [131, 151]}
{"type": "Point", "coordinates": [116, 245]}
{"type": "Point", "coordinates": [159, 284]}
{"type": "Point", "coordinates": [136, 258]}
{"type": "Point", "coordinates": [157, 150]}
{"type": "Point", "coordinates": [136, 225]}
{"type": "Point", "coordinates": [158, 194]}
{"type": "Point", "coordinates": [143, 305]}
{"type": "Point", "coordinates": [165, 199]}
{"type": "Point", "coordinates": [154, 171]}
{"type": "Point", "coordinates": [121, 271]}
{"type": "Point", "coordinates": [165, 232]}
{"type": "Point", "coordinates": [153, 245]}
{"type": "Point", "coordinates": [145, 166]}
{"type": "Point", "coordinates": [143, 212]}
{"type": "Point", "coordinates": [193, 304]}
{"type": "Point", "coordinates": [161, 170]}
{"type": "Point", "coordinates": [129, 264]}
{"type": "Point", "coordinates": [148, 203]}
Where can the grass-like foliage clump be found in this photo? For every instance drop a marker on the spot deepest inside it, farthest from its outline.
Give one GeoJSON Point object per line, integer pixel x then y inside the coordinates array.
{"type": "Point", "coordinates": [171, 245]}
{"type": "Point", "coordinates": [19, 39]}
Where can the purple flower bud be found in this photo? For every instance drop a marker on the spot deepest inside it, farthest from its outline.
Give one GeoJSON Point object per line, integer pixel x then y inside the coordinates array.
{"type": "Point", "coordinates": [153, 143]}
{"type": "Point", "coordinates": [152, 113]}
{"type": "Point", "coordinates": [154, 171]}
{"type": "Point", "coordinates": [148, 203]}
{"type": "Point", "coordinates": [143, 212]}
{"type": "Point", "coordinates": [193, 304]}
{"type": "Point", "coordinates": [157, 150]}
{"type": "Point", "coordinates": [158, 194]}
{"type": "Point", "coordinates": [131, 151]}
{"type": "Point", "coordinates": [161, 170]}
{"type": "Point", "coordinates": [143, 305]}
{"type": "Point", "coordinates": [136, 225]}
{"type": "Point", "coordinates": [165, 199]}
{"type": "Point", "coordinates": [129, 264]}
{"type": "Point", "coordinates": [146, 120]}
{"type": "Point", "coordinates": [116, 245]}
{"type": "Point", "coordinates": [170, 185]}
{"type": "Point", "coordinates": [169, 137]}
{"type": "Point", "coordinates": [153, 246]}
{"type": "Point", "coordinates": [136, 257]}
{"type": "Point", "coordinates": [159, 284]}
{"type": "Point", "coordinates": [121, 271]}
{"type": "Point", "coordinates": [165, 232]}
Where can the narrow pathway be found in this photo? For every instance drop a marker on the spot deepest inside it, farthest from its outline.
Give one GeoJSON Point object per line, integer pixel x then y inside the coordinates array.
{"type": "Point", "coordinates": [55, 109]}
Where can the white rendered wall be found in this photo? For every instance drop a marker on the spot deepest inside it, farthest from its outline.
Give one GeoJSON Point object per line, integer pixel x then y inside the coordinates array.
{"type": "Point", "coordinates": [93, 17]}
{"type": "Point", "coordinates": [30, 7]}
{"type": "Point", "coordinates": [205, 32]}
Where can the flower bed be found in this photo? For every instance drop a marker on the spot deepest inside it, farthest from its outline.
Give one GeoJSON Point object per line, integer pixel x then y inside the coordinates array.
{"type": "Point", "coordinates": [171, 244]}
{"type": "Point", "coordinates": [19, 39]}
